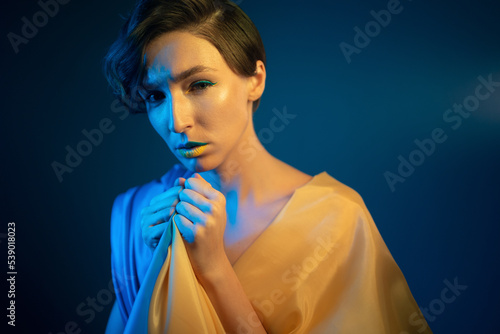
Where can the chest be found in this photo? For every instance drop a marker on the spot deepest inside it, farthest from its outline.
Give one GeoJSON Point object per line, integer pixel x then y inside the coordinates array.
{"type": "Point", "coordinates": [249, 224]}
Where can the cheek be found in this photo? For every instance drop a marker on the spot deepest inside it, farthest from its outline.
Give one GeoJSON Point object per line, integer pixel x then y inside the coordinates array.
{"type": "Point", "coordinates": [228, 108]}
{"type": "Point", "coordinates": [153, 120]}
{"type": "Point", "coordinates": [159, 122]}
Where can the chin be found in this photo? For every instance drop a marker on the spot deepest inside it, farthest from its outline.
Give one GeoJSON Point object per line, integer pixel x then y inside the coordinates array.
{"type": "Point", "coordinates": [198, 165]}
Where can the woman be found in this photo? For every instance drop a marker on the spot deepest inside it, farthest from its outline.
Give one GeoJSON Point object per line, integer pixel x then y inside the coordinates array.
{"type": "Point", "coordinates": [232, 239]}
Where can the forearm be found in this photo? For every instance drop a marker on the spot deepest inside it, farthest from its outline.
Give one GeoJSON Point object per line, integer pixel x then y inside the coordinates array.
{"type": "Point", "coordinates": [230, 301]}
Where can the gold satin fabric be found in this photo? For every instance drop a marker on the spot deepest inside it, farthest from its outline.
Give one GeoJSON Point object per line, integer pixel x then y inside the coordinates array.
{"type": "Point", "coordinates": [179, 304]}
{"type": "Point", "coordinates": [320, 267]}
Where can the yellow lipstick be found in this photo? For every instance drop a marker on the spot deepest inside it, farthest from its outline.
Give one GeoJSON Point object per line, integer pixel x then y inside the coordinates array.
{"type": "Point", "coordinates": [192, 152]}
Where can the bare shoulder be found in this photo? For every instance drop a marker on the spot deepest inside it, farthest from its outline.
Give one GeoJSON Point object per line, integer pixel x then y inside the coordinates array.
{"type": "Point", "coordinates": [290, 178]}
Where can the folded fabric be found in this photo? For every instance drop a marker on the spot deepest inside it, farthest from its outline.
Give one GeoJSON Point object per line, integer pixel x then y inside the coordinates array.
{"type": "Point", "coordinates": [320, 267]}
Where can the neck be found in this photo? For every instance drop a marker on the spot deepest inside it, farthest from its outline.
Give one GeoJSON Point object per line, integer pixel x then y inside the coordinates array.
{"type": "Point", "coordinates": [247, 172]}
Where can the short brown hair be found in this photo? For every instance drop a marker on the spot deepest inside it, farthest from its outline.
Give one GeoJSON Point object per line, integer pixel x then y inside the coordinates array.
{"type": "Point", "coordinates": [221, 22]}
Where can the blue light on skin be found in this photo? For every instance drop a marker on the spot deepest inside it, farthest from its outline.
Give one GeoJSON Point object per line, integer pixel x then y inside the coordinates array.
{"type": "Point", "coordinates": [219, 113]}
{"type": "Point", "coordinates": [194, 96]}
{"type": "Point", "coordinates": [231, 206]}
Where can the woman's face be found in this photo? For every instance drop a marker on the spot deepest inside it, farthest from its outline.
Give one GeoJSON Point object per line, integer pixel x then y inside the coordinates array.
{"type": "Point", "coordinates": [193, 96]}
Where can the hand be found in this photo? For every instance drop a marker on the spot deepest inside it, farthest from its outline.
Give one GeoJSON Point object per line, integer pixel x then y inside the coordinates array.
{"type": "Point", "coordinates": [201, 219]}
{"type": "Point", "coordinates": [158, 212]}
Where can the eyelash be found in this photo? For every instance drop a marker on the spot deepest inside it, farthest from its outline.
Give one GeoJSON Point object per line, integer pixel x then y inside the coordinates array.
{"type": "Point", "coordinates": [194, 87]}
{"type": "Point", "coordinates": [198, 83]}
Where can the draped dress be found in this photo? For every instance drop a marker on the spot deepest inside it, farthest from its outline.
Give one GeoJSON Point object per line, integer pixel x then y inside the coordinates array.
{"type": "Point", "coordinates": [321, 266]}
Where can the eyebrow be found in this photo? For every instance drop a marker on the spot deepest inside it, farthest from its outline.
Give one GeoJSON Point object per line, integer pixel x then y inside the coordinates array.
{"type": "Point", "coordinates": [183, 75]}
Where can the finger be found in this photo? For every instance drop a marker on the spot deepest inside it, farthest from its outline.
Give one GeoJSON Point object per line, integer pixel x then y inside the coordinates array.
{"type": "Point", "coordinates": [199, 184]}
{"type": "Point", "coordinates": [152, 235]}
{"type": "Point", "coordinates": [170, 193]}
{"type": "Point", "coordinates": [196, 199]}
{"type": "Point", "coordinates": [181, 181]}
{"type": "Point", "coordinates": [186, 227]}
{"type": "Point", "coordinates": [157, 217]}
{"type": "Point", "coordinates": [159, 207]}
{"type": "Point", "coordinates": [162, 201]}
{"type": "Point", "coordinates": [166, 194]}
{"type": "Point", "coordinates": [191, 212]}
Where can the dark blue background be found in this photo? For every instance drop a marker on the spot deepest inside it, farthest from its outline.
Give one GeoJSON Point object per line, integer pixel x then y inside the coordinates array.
{"type": "Point", "coordinates": [353, 120]}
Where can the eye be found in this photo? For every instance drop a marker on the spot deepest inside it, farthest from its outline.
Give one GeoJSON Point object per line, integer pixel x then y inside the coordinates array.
{"type": "Point", "coordinates": [154, 96]}
{"type": "Point", "coordinates": [201, 85]}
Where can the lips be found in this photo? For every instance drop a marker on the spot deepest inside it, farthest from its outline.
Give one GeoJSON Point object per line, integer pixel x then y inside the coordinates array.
{"type": "Point", "coordinates": [191, 149]}
{"type": "Point", "coordinates": [190, 144]}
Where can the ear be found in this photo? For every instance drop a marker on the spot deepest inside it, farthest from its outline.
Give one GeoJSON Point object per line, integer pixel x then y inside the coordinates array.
{"type": "Point", "coordinates": [257, 82]}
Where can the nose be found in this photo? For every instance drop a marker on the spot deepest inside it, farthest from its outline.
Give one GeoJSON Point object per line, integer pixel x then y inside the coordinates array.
{"type": "Point", "coordinates": [181, 117]}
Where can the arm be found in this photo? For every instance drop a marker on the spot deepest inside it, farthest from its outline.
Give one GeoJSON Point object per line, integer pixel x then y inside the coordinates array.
{"type": "Point", "coordinates": [230, 301]}
{"type": "Point", "coordinates": [115, 322]}
{"type": "Point", "coordinates": [201, 219]}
